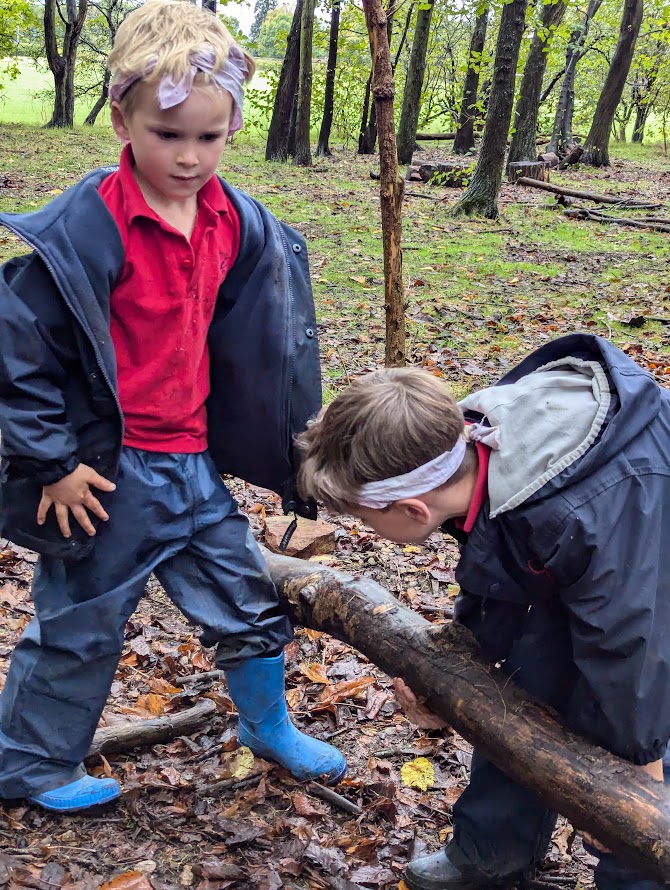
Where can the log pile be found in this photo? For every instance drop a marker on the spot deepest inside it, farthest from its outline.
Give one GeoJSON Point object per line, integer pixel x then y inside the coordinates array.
{"type": "Point", "coordinates": [447, 174]}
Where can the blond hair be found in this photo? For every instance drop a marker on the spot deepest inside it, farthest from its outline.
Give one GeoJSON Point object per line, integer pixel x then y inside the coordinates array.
{"type": "Point", "coordinates": [383, 425]}
{"type": "Point", "coordinates": [157, 39]}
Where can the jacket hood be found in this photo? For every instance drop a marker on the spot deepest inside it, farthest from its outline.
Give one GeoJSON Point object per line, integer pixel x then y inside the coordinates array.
{"type": "Point", "coordinates": [566, 410]}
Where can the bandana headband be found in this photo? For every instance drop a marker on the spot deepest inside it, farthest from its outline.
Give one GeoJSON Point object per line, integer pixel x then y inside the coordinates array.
{"type": "Point", "coordinates": [231, 78]}
{"type": "Point", "coordinates": [378, 495]}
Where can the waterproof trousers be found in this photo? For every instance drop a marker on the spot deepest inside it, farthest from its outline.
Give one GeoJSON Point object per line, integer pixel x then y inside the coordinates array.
{"type": "Point", "coordinates": [502, 830]}
{"type": "Point", "coordinates": [172, 515]}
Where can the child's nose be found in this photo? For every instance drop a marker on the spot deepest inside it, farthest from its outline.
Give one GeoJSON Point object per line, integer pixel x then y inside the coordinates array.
{"type": "Point", "coordinates": [188, 157]}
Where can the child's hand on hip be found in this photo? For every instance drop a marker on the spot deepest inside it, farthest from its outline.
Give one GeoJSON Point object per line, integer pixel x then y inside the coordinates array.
{"type": "Point", "coordinates": [73, 493]}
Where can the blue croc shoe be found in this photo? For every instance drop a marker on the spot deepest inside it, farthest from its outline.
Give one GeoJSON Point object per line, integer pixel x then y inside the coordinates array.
{"type": "Point", "coordinates": [257, 689]}
{"type": "Point", "coordinates": [79, 795]}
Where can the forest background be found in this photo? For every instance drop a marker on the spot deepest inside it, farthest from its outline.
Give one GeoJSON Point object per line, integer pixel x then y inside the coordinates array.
{"type": "Point", "coordinates": [479, 294]}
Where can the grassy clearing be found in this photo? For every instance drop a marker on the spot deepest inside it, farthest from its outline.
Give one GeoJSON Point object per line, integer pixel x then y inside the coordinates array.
{"type": "Point", "coordinates": [479, 294]}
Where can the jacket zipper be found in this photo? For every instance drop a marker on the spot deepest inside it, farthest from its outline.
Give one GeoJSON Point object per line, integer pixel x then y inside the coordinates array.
{"type": "Point", "coordinates": [289, 396]}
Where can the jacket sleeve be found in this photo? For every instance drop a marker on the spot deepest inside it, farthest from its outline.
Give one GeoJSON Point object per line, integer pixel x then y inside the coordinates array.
{"type": "Point", "coordinates": [613, 573]}
{"type": "Point", "coordinates": [36, 348]}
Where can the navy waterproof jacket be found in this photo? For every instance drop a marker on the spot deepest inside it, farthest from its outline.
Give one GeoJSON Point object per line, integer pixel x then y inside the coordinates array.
{"type": "Point", "coordinates": [597, 536]}
{"type": "Point", "coordinates": [59, 403]}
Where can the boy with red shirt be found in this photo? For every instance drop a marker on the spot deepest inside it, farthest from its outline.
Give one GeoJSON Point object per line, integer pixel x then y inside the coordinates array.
{"type": "Point", "coordinates": [161, 333]}
{"type": "Point", "coordinates": [557, 492]}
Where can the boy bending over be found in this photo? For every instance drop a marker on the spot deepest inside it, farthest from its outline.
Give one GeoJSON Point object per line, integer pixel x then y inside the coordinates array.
{"type": "Point", "coordinates": [557, 488]}
{"type": "Point", "coordinates": [160, 333]}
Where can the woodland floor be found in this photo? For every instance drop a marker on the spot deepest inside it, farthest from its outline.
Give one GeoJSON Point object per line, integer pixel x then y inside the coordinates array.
{"type": "Point", "coordinates": [481, 294]}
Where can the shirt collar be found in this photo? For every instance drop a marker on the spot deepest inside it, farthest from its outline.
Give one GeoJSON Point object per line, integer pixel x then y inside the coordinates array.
{"type": "Point", "coordinates": [211, 197]}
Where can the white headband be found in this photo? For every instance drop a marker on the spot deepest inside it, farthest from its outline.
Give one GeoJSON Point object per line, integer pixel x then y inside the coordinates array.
{"type": "Point", "coordinates": [378, 495]}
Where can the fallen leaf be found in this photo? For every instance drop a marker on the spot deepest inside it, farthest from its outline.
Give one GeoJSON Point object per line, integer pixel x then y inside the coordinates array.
{"type": "Point", "coordinates": [306, 807]}
{"type": "Point", "coordinates": [315, 672]}
{"type": "Point", "coordinates": [337, 692]}
{"type": "Point", "coordinates": [242, 763]}
{"type": "Point", "coordinates": [155, 704]}
{"type": "Point", "coordinates": [418, 773]}
{"type": "Point", "coordinates": [128, 880]}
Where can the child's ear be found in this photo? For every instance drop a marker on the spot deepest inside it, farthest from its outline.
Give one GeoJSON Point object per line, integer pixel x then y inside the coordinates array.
{"type": "Point", "coordinates": [415, 509]}
{"type": "Point", "coordinates": [119, 122]}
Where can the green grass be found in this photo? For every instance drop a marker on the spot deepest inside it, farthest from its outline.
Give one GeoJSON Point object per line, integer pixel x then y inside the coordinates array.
{"type": "Point", "coordinates": [479, 294]}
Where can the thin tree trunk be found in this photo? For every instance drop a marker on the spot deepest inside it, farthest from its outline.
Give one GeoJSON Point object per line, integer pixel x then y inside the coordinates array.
{"type": "Point", "coordinates": [481, 196]}
{"type": "Point", "coordinates": [619, 805]}
{"type": "Point", "coordinates": [523, 147]}
{"type": "Point", "coordinates": [411, 100]}
{"type": "Point", "coordinates": [596, 148]}
{"type": "Point", "coordinates": [303, 150]}
{"type": "Point", "coordinates": [278, 146]}
{"type": "Point", "coordinates": [561, 134]}
{"type": "Point", "coordinates": [465, 135]}
{"type": "Point", "coordinates": [391, 184]}
{"type": "Point", "coordinates": [63, 65]}
{"type": "Point", "coordinates": [367, 139]}
{"type": "Point", "coordinates": [102, 101]}
{"type": "Point", "coordinates": [327, 120]}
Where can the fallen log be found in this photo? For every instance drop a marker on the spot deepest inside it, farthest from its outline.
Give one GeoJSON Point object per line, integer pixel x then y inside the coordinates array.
{"type": "Point", "coordinates": [150, 732]}
{"type": "Point", "coordinates": [622, 808]}
{"type": "Point", "coordinates": [449, 175]}
{"type": "Point", "coordinates": [438, 136]}
{"type": "Point", "coordinates": [576, 193]}
{"type": "Point", "coordinates": [584, 213]}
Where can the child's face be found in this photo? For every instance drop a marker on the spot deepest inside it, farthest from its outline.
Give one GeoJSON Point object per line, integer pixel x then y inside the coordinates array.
{"type": "Point", "coordinates": [177, 149]}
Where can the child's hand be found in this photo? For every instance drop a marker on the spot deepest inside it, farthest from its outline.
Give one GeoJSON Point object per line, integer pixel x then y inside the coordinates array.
{"type": "Point", "coordinates": [74, 493]}
{"type": "Point", "coordinates": [414, 708]}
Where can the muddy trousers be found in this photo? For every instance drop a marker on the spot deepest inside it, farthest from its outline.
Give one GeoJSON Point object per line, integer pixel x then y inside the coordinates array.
{"type": "Point", "coordinates": [172, 515]}
{"type": "Point", "coordinates": [502, 830]}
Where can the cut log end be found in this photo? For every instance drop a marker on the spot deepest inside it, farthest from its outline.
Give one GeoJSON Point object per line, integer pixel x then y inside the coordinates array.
{"type": "Point", "coordinates": [530, 169]}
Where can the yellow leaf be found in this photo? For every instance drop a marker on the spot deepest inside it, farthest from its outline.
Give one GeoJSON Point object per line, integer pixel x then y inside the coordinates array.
{"type": "Point", "coordinates": [411, 548]}
{"type": "Point", "coordinates": [242, 764]}
{"type": "Point", "coordinates": [358, 278]}
{"type": "Point", "coordinates": [315, 672]}
{"type": "Point", "coordinates": [418, 773]}
{"type": "Point", "coordinates": [56, 192]}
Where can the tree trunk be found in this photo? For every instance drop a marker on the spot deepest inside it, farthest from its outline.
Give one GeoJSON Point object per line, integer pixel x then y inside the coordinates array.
{"type": "Point", "coordinates": [596, 148]}
{"type": "Point", "coordinates": [303, 151]}
{"type": "Point", "coordinates": [282, 125]}
{"type": "Point", "coordinates": [523, 146]}
{"type": "Point", "coordinates": [641, 113]}
{"type": "Point", "coordinates": [411, 100]}
{"type": "Point", "coordinates": [63, 65]}
{"type": "Point", "coordinates": [391, 184]}
{"type": "Point", "coordinates": [481, 196]}
{"type": "Point", "coordinates": [621, 807]}
{"type": "Point", "coordinates": [561, 134]}
{"type": "Point", "coordinates": [102, 101]}
{"type": "Point", "coordinates": [327, 120]}
{"type": "Point", "coordinates": [367, 139]}
{"type": "Point", "coordinates": [465, 135]}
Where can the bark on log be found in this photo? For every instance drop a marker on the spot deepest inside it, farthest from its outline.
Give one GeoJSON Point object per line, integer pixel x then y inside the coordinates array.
{"type": "Point", "coordinates": [549, 159]}
{"type": "Point", "coordinates": [576, 193]}
{"type": "Point", "coordinates": [438, 136]}
{"type": "Point", "coordinates": [599, 793]}
{"type": "Point", "coordinates": [526, 170]}
{"type": "Point", "coordinates": [447, 175]}
{"type": "Point", "coordinates": [151, 732]}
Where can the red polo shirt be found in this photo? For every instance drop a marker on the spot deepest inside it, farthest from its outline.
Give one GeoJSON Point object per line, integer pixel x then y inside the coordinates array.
{"type": "Point", "coordinates": [161, 310]}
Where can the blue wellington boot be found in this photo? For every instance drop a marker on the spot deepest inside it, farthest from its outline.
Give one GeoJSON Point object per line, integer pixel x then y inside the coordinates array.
{"type": "Point", "coordinates": [257, 689]}
{"type": "Point", "coordinates": [81, 794]}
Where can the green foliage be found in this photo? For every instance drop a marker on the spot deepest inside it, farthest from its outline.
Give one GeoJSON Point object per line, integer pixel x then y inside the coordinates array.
{"type": "Point", "coordinates": [271, 42]}
{"type": "Point", "coordinates": [18, 19]}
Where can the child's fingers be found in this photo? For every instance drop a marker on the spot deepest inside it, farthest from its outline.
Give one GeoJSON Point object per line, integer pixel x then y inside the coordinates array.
{"type": "Point", "coordinates": [83, 519]}
{"type": "Point", "coordinates": [94, 505]}
{"type": "Point", "coordinates": [43, 508]}
{"type": "Point", "coordinates": [63, 520]}
{"type": "Point", "coordinates": [100, 482]}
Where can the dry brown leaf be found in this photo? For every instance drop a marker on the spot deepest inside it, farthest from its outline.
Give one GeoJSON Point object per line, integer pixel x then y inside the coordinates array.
{"type": "Point", "coordinates": [306, 807]}
{"type": "Point", "coordinates": [129, 880]}
{"type": "Point", "coordinates": [315, 672]}
{"type": "Point", "coordinates": [155, 704]}
{"type": "Point", "coordinates": [337, 692]}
